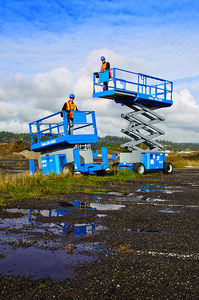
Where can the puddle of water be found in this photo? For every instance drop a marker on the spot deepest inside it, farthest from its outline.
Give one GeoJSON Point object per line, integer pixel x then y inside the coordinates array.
{"type": "Point", "coordinates": [170, 211]}
{"type": "Point", "coordinates": [28, 224]}
{"type": "Point", "coordinates": [94, 205]}
{"type": "Point", "coordinates": [114, 193]}
{"type": "Point", "coordinates": [25, 254]}
{"type": "Point", "coordinates": [131, 194]}
{"type": "Point", "coordinates": [106, 206]}
{"type": "Point", "coordinates": [151, 200]}
{"type": "Point", "coordinates": [101, 215]}
{"type": "Point", "coordinates": [39, 263]}
{"type": "Point", "coordinates": [96, 197]}
{"type": "Point", "coordinates": [148, 188]}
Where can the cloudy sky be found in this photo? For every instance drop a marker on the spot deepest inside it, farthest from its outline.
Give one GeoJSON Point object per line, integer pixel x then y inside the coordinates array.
{"type": "Point", "coordinates": [50, 48]}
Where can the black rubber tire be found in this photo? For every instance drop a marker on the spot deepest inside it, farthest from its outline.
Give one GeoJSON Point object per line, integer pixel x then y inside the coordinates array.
{"type": "Point", "coordinates": [68, 169]}
{"type": "Point", "coordinates": [139, 168]}
{"type": "Point", "coordinates": [101, 173]}
{"type": "Point", "coordinates": [167, 168]}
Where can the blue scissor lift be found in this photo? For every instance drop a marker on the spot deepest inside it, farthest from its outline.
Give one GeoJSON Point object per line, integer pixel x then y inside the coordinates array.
{"type": "Point", "coordinates": [66, 147]}
{"type": "Point", "coordinates": [142, 94]}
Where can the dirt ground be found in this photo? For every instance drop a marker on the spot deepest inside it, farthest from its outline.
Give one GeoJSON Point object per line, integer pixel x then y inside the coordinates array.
{"type": "Point", "coordinates": [141, 245]}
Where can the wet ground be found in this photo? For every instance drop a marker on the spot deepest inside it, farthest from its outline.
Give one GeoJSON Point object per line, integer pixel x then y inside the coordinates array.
{"type": "Point", "coordinates": [139, 245]}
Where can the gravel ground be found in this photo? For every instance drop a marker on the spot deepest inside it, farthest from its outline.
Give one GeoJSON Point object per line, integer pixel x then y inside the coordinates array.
{"type": "Point", "coordinates": [146, 248]}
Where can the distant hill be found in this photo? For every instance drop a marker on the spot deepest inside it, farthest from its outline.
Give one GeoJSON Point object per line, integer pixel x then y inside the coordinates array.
{"type": "Point", "coordinates": [107, 141]}
{"type": "Point", "coordinates": [15, 146]}
{"type": "Point", "coordinates": [176, 147]}
{"type": "Point", "coordinates": [6, 136]}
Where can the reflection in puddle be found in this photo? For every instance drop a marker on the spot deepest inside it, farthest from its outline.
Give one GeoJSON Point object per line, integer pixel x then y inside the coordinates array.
{"type": "Point", "coordinates": [148, 188]}
{"type": "Point", "coordinates": [114, 193]}
{"type": "Point", "coordinates": [151, 200]}
{"type": "Point", "coordinates": [29, 224]}
{"type": "Point", "coordinates": [95, 205]}
{"type": "Point", "coordinates": [170, 211]}
{"type": "Point", "coordinates": [106, 206]}
{"type": "Point", "coordinates": [54, 256]}
{"type": "Point", "coordinates": [101, 215]}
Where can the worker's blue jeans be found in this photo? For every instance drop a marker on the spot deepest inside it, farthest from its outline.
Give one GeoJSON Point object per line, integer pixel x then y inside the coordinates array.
{"type": "Point", "coordinates": [105, 86]}
{"type": "Point", "coordinates": [70, 126]}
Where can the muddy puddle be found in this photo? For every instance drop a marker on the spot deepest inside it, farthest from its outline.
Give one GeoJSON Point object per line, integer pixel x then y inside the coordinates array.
{"type": "Point", "coordinates": [47, 249]}
{"type": "Point", "coordinates": [26, 222]}
{"type": "Point", "coordinates": [171, 211]}
{"type": "Point", "coordinates": [57, 264]}
{"type": "Point", "coordinates": [93, 205]}
{"type": "Point", "coordinates": [149, 188]}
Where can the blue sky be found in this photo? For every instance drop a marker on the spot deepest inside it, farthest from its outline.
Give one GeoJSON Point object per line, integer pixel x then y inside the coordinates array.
{"type": "Point", "coordinates": [38, 37]}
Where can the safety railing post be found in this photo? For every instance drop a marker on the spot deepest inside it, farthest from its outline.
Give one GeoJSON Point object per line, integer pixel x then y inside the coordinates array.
{"type": "Point", "coordinates": [165, 90]}
{"type": "Point", "coordinates": [93, 83]}
{"type": "Point", "coordinates": [58, 131]}
{"type": "Point", "coordinates": [38, 131]}
{"type": "Point", "coordinates": [65, 121]}
{"type": "Point", "coordinates": [30, 129]}
{"type": "Point", "coordinates": [94, 122]}
{"type": "Point", "coordinates": [171, 89]}
{"type": "Point", "coordinates": [50, 130]}
{"type": "Point", "coordinates": [114, 79]}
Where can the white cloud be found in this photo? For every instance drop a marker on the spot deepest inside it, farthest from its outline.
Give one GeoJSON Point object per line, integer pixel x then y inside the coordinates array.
{"type": "Point", "coordinates": [182, 123]}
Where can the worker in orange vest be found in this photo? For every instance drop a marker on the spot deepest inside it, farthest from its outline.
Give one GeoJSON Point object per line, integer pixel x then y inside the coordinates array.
{"type": "Point", "coordinates": [69, 107]}
{"type": "Point", "coordinates": [105, 66]}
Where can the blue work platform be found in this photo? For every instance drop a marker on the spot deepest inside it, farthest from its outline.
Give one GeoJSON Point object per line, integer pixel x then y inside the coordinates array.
{"type": "Point", "coordinates": [143, 94]}
{"type": "Point", "coordinates": [64, 146]}
{"type": "Point", "coordinates": [126, 86]}
{"type": "Point", "coordinates": [53, 130]}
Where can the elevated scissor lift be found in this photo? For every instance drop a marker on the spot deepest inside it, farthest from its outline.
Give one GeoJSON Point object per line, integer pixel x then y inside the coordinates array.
{"type": "Point", "coordinates": [64, 146]}
{"type": "Point", "coordinates": [143, 94]}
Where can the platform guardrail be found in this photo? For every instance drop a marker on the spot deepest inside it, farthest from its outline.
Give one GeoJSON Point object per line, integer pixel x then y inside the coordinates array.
{"type": "Point", "coordinates": [141, 85]}
{"type": "Point", "coordinates": [55, 128]}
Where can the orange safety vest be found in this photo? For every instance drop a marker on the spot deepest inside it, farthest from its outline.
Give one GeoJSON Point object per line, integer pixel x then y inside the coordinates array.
{"type": "Point", "coordinates": [70, 107]}
{"type": "Point", "coordinates": [103, 68]}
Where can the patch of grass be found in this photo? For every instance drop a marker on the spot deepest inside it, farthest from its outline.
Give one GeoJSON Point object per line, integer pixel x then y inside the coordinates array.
{"type": "Point", "coordinates": [41, 186]}
{"type": "Point", "coordinates": [184, 160]}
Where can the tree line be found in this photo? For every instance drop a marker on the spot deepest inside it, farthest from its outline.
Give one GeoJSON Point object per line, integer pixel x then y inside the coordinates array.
{"type": "Point", "coordinates": [113, 141]}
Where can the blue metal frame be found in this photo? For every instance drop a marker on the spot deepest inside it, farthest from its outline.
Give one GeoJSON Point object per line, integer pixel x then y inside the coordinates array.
{"type": "Point", "coordinates": [47, 133]}
{"type": "Point", "coordinates": [130, 86]}
{"type": "Point", "coordinates": [91, 168]}
{"type": "Point", "coordinates": [32, 166]}
{"type": "Point", "coordinates": [55, 163]}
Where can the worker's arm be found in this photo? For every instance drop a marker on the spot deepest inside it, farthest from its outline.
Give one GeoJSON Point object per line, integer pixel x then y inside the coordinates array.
{"type": "Point", "coordinates": [63, 108]}
{"type": "Point", "coordinates": [96, 74]}
{"type": "Point", "coordinates": [108, 66]}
